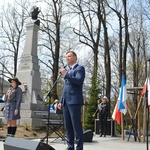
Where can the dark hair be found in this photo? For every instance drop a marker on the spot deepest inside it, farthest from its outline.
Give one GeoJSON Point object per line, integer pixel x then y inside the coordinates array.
{"type": "Point", "coordinates": [72, 53]}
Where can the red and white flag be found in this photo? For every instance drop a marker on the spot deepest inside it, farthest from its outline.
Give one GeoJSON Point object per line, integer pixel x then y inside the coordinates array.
{"type": "Point", "coordinates": [117, 114]}
{"type": "Point", "coordinates": [146, 90]}
{"type": "Point", "coordinates": [145, 87]}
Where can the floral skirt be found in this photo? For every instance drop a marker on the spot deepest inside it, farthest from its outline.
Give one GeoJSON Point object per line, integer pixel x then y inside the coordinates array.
{"type": "Point", "coordinates": [9, 111]}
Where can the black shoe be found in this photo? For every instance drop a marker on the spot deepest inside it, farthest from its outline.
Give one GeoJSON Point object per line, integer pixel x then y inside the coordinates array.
{"type": "Point", "coordinates": [8, 135]}
{"type": "Point", "coordinates": [100, 135]}
{"type": "Point", "coordinates": [104, 135]}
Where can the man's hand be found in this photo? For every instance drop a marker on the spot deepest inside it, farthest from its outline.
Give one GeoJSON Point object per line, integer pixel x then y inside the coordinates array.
{"type": "Point", "coordinates": [62, 71]}
{"type": "Point", "coordinates": [59, 106]}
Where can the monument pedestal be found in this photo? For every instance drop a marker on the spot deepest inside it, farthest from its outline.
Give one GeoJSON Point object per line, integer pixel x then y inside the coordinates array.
{"type": "Point", "coordinates": [28, 116]}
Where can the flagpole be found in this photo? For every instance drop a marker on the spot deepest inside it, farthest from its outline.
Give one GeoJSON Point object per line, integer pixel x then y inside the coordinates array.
{"type": "Point", "coordinates": [147, 123]}
{"type": "Point", "coordinates": [147, 109]}
{"type": "Point", "coordinates": [122, 102]}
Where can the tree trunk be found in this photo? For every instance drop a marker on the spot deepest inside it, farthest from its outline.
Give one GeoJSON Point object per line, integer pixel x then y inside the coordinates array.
{"type": "Point", "coordinates": [126, 36]}
{"type": "Point", "coordinates": [56, 60]}
{"type": "Point", "coordinates": [120, 49]}
{"type": "Point", "coordinates": [107, 63]}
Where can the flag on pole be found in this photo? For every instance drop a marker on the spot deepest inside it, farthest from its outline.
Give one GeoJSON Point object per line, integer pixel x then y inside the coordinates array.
{"type": "Point", "coordinates": [122, 106]}
{"type": "Point", "coordinates": [146, 89]}
{"type": "Point", "coordinates": [117, 114]}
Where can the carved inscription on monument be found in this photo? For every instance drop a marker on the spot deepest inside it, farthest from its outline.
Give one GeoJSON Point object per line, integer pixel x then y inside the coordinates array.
{"type": "Point", "coordinates": [26, 62]}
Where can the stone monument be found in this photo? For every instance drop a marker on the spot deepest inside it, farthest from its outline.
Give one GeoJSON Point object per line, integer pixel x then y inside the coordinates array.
{"type": "Point", "coordinates": [28, 73]}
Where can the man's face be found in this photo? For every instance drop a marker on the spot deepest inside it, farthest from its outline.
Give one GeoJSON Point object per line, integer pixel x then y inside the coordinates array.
{"type": "Point", "coordinates": [70, 58]}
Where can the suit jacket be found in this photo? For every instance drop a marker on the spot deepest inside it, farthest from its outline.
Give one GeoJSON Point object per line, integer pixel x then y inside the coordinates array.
{"type": "Point", "coordinates": [72, 92]}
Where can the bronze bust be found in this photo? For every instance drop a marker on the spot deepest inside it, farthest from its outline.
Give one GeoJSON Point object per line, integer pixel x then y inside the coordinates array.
{"type": "Point", "coordinates": [34, 14]}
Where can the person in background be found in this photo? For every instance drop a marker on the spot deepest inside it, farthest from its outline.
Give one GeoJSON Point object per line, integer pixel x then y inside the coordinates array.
{"type": "Point", "coordinates": [1, 99]}
{"type": "Point", "coordinates": [72, 100]}
{"type": "Point", "coordinates": [55, 107]}
{"type": "Point", "coordinates": [12, 105]}
{"type": "Point", "coordinates": [102, 109]}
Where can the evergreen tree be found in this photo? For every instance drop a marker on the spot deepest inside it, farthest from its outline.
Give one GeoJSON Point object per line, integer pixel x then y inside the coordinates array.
{"type": "Point", "coordinates": [94, 91]}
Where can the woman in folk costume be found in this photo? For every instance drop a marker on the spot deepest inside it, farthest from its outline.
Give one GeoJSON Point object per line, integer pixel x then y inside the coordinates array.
{"type": "Point", "coordinates": [12, 105]}
{"type": "Point", "coordinates": [103, 113]}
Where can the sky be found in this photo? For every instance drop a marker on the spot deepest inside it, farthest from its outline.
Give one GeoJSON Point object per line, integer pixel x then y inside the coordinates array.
{"type": "Point", "coordinates": [81, 50]}
{"type": "Point", "coordinates": [114, 21]}
{"type": "Point", "coordinates": [32, 2]}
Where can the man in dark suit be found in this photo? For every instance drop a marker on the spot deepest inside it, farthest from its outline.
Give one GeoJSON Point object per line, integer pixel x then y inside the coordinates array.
{"type": "Point", "coordinates": [72, 100]}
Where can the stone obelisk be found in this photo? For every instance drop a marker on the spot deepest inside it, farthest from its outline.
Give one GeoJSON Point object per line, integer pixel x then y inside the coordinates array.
{"type": "Point", "coordinates": [28, 71]}
{"type": "Point", "coordinates": [29, 74]}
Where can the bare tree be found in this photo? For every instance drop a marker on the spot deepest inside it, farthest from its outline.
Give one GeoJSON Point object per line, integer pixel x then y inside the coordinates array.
{"type": "Point", "coordinates": [107, 61]}
{"type": "Point", "coordinates": [121, 12]}
{"type": "Point", "coordinates": [138, 44]}
{"type": "Point", "coordinates": [117, 9]}
{"type": "Point", "coordinates": [50, 38]}
{"type": "Point", "coordinates": [146, 6]}
{"type": "Point", "coordinates": [92, 20]}
{"type": "Point", "coordinates": [12, 35]}
{"type": "Point", "coordinates": [89, 26]}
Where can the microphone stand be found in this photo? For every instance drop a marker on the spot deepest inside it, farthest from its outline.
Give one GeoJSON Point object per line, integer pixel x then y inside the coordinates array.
{"type": "Point", "coordinates": [49, 95]}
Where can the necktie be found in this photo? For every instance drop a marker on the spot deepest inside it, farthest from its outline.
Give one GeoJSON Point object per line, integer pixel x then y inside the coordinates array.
{"type": "Point", "coordinates": [70, 70]}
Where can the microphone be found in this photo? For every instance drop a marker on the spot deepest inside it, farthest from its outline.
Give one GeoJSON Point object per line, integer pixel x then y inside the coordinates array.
{"type": "Point", "coordinates": [64, 67]}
